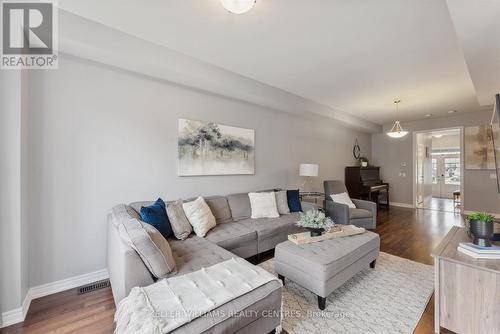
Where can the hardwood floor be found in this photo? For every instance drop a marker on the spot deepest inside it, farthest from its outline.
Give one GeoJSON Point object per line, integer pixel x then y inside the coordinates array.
{"type": "Point", "coordinates": [408, 233]}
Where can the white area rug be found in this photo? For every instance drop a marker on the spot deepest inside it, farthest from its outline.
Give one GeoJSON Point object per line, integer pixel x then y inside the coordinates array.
{"type": "Point", "coordinates": [388, 299]}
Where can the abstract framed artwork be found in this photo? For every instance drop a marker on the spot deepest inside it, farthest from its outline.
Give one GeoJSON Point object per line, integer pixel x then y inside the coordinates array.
{"type": "Point", "coordinates": [479, 152]}
{"type": "Point", "coordinates": [207, 148]}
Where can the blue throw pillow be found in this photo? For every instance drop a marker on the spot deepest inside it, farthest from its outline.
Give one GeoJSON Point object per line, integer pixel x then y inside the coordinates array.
{"type": "Point", "coordinates": [293, 200]}
{"type": "Point", "coordinates": [156, 215]}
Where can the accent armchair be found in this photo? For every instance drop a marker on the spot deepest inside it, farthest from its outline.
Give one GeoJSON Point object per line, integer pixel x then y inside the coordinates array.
{"type": "Point", "coordinates": [364, 215]}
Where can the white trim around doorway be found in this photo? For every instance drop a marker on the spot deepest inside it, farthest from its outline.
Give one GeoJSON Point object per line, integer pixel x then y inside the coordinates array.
{"type": "Point", "coordinates": [462, 165]}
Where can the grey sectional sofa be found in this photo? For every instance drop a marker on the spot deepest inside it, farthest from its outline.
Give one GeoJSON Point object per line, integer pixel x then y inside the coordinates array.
{"type": "Point", "coordinates": [235, 234]}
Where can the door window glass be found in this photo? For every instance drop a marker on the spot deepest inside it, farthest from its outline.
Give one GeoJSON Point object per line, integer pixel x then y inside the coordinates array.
{"type": "Point", "coordinates": [452, 171]}
{"type": "Point", "coordinates": [434, 171]}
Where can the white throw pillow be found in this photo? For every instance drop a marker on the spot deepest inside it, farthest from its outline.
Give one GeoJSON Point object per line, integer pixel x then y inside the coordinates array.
{"type": "Point", "coordinates": [263, 205]}
{"type": "Point", "coordinates": [199, 215]}
{"type": "Point", "coordinates": [343, 198]}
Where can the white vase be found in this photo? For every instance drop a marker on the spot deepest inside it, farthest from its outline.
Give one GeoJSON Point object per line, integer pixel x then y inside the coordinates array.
{"type": "Point", "coordinates": [364, 164]}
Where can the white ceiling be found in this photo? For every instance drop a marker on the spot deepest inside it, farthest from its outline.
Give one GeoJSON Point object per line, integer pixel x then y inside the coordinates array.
{"type": "Point", "coordinates": [355, 56]}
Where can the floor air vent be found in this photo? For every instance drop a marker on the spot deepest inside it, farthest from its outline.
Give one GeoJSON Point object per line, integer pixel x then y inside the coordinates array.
{"type": "Point", "coordinates": [93, 287]}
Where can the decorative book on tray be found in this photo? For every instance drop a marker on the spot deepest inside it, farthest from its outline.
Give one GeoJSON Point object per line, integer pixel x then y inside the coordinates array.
{"type": "Point", "coordinates": [479, 252]}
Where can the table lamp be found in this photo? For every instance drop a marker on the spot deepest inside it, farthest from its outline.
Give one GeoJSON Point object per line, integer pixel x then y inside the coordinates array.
{"type": "Point", "coordinates": [308, 171]}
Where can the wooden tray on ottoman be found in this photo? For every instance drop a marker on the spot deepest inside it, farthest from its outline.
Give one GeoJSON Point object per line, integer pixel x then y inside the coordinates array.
{"type": "Point", "coordinates": [336, 232]}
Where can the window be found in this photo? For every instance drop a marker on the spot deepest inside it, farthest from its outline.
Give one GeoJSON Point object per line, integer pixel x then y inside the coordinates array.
{"type": "Point", "coordinates": [452, 171]}
{"type": "Point", "coordinates": [434, 171]}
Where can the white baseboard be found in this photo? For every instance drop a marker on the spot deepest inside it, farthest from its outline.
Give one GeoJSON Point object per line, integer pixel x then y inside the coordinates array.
{"type": "Point", "coordinates": [19, 314]}
{"type": "Point", "coordinates": [403, 205]}
{"type": "Point", "coordinates": [496, 215]}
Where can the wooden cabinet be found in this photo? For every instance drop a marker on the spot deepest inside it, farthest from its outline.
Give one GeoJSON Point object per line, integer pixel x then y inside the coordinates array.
{"type": "Point", "coordinates": [467, 291]}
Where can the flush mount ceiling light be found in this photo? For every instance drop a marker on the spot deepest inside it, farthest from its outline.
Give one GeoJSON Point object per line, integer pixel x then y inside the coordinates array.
{"type": "Point", "coordinates": [238, 6]}
{"type": "Point", "coordinates": [397, 131]}
{"type": "Point", "coordinates": [452, 111]}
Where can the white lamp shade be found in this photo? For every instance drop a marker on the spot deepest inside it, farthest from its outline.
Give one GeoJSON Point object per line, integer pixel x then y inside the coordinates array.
{"type": "Point", "coordinates": [308, 170]}
{"type": "Point", "coordinates": [238, 6]}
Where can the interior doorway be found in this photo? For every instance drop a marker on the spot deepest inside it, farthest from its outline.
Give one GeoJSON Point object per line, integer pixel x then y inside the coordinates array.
{"type": "Point", "coordinates": [439, 169]}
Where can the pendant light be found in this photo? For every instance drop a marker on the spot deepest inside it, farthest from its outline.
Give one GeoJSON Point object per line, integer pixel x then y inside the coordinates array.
{"type": "Point", "coordinates": [238, 6]}
{"type": "Point", "coordinates": [397, 131]}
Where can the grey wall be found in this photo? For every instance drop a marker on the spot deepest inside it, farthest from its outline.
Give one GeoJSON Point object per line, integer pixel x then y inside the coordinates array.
{"type": "Point", "coordinates": [13, 225]}
{"type": "Point", "coordinates": [101, 136]}
{"type": "Point", "coordinates": [388, 153]}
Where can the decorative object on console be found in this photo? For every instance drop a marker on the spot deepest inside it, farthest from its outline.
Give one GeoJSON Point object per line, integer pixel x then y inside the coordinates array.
{"type": "Point", "coordinates": [178, 220]}
{"type": "Point", "coordinates": [480, 225]}
{"type": "Point", "coordinates": [156, 215]}
{"type": "Point", "coordinates": [308, 171]}
{"type": "Point", "coordinates": [282, 202]}
{"type": "Point", "coordinates": [207, 148]}
{"type": "Point", "coordinates": [293, 197]}
{"type": "Point", "coordinates": [199, 215]}
{"type": "Point", "coordinates": [397, 131]}
{"type": "Point", "coordinates": [343, 198]}
{"type": "Point", "coordinates": [316, 222]}
{"type": "Point", "coordinates": [479, 252]}
{"type": "Point", "coordinates": [364, 162]}
{"type": "Point", "coordinates": [238, 6]}
{"type": "Point", "coordinates": [479, 152]}
{"type": "Point", "coordinates": [263, 205]}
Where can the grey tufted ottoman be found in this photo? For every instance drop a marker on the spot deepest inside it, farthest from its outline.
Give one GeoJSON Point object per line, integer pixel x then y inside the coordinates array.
{"type": "Point", "coordinates": [321, 267]}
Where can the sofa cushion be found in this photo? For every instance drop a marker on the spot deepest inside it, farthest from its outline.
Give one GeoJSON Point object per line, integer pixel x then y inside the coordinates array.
{"type": "Point", "coordinates": [271, 231]}
{"type": "Point", "coordinates": [220, 208]}
{"type": "Point", "coordinates": [236, 238]}
{"type": "Point", "coordinates": [178, 220]}
{"type": "Point", "coordinates": [359, 213]}
{"type": "Point", "coordinates": [263, 205]}
{"type": "Point", "coordinates": [195, 253]}
{"type": "Point", "coordinates": [199, 215]}
{"type": "Point", "coordinates": [282, 202]}
{"type": "Point", "coordinates": [240, 206]}
{"type": "Point", "coordinates": [123, 212]}
{"type": "Point", "coordinates": [151, 246]}
{"type": "Point", "coordinates": [138, 205]}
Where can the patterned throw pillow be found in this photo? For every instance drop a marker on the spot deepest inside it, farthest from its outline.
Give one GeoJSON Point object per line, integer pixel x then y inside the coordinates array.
{"type": "Point", "coordinates": [282, 202]}
{"type": "Point", "coordinates": [178, 220]}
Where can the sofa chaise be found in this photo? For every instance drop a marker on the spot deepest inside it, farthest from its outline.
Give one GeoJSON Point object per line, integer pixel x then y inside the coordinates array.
{"type": "Point", "coordinates": [235, 235]}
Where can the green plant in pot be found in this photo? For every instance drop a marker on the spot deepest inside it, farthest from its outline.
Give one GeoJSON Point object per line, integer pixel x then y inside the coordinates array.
{"type": "Point", "coordinates": [316, 222]}
{"type": "Point", "coordinates": [363, 161]}
{"type": "Point", "coordinates": [480, 225]}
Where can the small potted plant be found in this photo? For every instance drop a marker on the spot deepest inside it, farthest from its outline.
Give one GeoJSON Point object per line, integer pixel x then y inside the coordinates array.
{"type": "Point", "coordinates": [316, 222]}
{"type": "Point", "coordinates": [364, 161]}
{"type": "Point", "coordinates": [481, 228]}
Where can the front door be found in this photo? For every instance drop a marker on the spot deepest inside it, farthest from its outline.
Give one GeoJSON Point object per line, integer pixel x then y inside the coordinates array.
{"type": "Point", "coordinates": [445, 175]}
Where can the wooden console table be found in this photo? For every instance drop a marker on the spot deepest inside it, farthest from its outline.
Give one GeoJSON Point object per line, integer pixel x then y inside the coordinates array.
{"type": "Point", "coordinates": [467, 291]}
